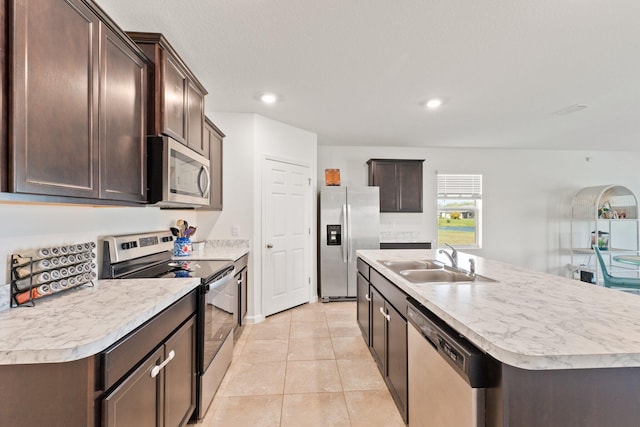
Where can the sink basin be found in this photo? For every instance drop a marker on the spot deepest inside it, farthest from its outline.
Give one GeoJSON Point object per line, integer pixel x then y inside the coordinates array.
{"type": "Point", "coordinates": [399, 265]}
{"type": "Point", "coordinates": [441, 276]}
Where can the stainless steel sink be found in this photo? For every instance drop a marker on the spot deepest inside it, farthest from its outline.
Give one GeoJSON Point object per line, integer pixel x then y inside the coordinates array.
{"type": "Point", "coordinates": [441, 276]}
{"type": "Point", "coordinates": [399, 265]}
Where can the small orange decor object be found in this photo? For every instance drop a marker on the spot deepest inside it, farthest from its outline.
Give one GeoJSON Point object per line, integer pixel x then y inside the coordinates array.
{"type": "Point", "coordinates": [332, 176]}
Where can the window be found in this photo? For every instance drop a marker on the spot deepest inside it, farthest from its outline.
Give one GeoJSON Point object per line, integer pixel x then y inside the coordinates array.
{"type": "Point", "coordinates": [459, 209]}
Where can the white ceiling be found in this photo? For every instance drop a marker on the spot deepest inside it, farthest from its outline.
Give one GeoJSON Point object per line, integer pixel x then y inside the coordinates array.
{"type": "Point", "coordinates": [358, 72]}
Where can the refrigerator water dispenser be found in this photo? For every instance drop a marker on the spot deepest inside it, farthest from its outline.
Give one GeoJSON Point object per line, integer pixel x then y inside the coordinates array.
{"type": "Point", "coordinates": [334, 235]}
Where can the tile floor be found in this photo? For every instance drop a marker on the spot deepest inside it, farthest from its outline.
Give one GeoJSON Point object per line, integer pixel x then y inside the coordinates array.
{"type": "Point", "coordinates": [308, 366]}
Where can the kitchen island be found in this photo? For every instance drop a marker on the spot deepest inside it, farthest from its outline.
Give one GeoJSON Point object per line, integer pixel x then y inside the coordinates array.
{"type": "Point", "coordinates": [567, 353]}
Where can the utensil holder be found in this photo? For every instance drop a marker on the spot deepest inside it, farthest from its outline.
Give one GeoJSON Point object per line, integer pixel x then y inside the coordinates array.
{"type": "Point", "coordinates": [182, 246]}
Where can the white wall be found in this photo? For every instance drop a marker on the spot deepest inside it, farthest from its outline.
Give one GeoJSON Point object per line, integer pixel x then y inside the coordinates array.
{"type": "Point", "coordinates": [250, 139]}
{"type": "Point", "coordinates": [30, 226]}
{"type": "Point", "coordinates": [237, 179]}
{"type": "Point", "coordinates": [527, 194]}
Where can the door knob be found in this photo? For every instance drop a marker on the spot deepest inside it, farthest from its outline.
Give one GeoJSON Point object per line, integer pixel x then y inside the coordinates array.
{"type": "Point", "coordinates": [269, 246]}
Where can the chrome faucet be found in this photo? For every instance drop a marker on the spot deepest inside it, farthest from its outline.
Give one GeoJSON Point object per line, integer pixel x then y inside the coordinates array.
{"type": "Point", "coordinates": [453, 256]}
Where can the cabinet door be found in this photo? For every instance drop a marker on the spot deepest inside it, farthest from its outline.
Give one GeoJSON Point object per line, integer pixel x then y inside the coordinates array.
{"type": "Point", "coordinates": [123, 128]}
{"type": "Point", "coordinates": [242, 294]}
{"type": "Point", "coordinates": [55, 98]}
{"type": "Point", "coordinates": [378, 329]}
{"type": "Point", "coordinates": [400, 183]}
{"type": "Point", "coordinates": [397, 358]}
{"type": "Point", "coordinates": [180, 375]}
{"type": "Point", "coordinates": [174, 100]}
{"type": "Point", "coordinates": [195, 120]}
{"type": "Point", "coordinates": [3, 99]}
{"type": "Point", "coordinates": [409, 178]}
{"type": "Point", "coordinates": [363, 308]}
{"type": "Point", "coordinates": [215, 155]}
{"type": "Point", "coordinates": [383, 175]}
{"type": "Point", "coordinates": [137, 401]}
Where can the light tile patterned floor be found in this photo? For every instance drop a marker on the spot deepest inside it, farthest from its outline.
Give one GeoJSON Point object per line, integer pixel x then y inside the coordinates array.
{"type": "Point", "coordinates": [308, 366]}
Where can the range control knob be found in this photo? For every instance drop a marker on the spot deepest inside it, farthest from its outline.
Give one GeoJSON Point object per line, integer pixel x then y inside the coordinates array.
{"type": "Point", "coordinates": [125, 245]}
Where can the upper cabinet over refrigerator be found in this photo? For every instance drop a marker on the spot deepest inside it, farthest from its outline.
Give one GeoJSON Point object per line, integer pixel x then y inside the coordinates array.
{"type": "Point", "coordinates": [349, 220]}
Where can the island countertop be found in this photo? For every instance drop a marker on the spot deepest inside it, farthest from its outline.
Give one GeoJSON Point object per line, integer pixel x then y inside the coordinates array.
{"type": "Point", "coordinates": [84, 321]}
{"type": "Point", "coordinates": [528, 319]}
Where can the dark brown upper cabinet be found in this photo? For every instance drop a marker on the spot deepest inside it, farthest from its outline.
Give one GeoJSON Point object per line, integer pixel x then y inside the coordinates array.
{"type": "Point", "coordinates": [214, 137]}
{"type": "Point", "coordinates": [123, 122]}
{"type": "Point", "coordinates": [400, 183]}
{"type": "Point", "coordinates": [176, 97]}
{"type": "Point", "coordinates": [54, 139]}
{"type": "Point", "coordinates": [3, 99]}
{"type": "Point", "coordinates": [77, 103]}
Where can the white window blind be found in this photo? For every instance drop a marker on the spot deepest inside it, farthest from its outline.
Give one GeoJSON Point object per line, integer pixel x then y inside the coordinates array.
{"type": "Point", "coordinates": [459, 186]}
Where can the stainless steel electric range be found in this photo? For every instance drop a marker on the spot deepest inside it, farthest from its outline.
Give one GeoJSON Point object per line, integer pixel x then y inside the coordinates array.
{"type": "Point", "coordinates": [148, 255]}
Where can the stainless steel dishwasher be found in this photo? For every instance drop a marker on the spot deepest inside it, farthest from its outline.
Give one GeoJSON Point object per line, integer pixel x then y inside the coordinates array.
{"type": "Point", "coordinates": [447, 374]}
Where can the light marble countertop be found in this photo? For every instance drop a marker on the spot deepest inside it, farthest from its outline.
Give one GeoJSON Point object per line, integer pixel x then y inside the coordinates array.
{"type": "Point", "coordinates": [228, 253]}
{"type": "Point", "coordinates": [528, 319]}
{"type": "Point", "coordinates": [84, 321]}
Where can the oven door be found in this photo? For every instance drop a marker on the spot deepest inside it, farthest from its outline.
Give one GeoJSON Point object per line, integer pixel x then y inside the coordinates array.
{"type": "Point", "coordinates": [215, 338]}
{"type": "Point", "coordinates": [220, 306]}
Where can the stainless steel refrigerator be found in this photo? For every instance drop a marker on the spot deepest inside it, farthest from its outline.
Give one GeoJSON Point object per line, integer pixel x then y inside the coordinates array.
{"type": "Point", "coordinates": [349, 220]}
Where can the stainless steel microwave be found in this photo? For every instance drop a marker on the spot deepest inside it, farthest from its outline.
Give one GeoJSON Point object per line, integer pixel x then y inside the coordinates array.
{"type": "Point", "coordinates": [177, 175]}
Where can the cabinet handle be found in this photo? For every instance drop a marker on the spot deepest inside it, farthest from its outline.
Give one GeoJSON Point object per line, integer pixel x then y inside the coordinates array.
{"type": "Point", "coordinates": [366, 296]}
{"type": "Point", "coordinates": [239, 281]}
{"type": "Point", "coordinates": [156, 369]}
{"type": "Point", "coordinates": [386, 316]}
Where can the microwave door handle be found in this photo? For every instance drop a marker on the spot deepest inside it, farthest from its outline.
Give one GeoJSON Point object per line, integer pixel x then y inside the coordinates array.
{"type": "Point", "coordinates": [205, 192]}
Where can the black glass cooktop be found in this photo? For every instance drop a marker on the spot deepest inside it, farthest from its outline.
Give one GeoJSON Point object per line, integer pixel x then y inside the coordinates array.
{"type": "Point", "coordinates": [207, 270]}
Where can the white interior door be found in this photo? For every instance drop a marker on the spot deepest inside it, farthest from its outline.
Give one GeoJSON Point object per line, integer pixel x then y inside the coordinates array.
{"type": "Point", "coordinates": [287, 244]}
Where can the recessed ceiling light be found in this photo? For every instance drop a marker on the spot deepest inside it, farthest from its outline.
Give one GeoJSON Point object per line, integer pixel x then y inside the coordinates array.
{"type": "Point", "coordinates": [432, 104]}
{"type": "Point", "coordinates": [269, 98]}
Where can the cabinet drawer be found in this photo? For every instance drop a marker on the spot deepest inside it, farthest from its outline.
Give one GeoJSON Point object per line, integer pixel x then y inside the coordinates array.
{"type": "Point", "coordinates": [121, 357]}
{"type": "Point", "coordinates": [363, 268]}
{"type": "Point", "coordinates": [391, 293]}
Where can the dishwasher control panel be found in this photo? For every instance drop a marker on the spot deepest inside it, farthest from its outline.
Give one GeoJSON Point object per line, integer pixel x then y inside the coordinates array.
{"type": "Point", "coordinates": [451, 352]}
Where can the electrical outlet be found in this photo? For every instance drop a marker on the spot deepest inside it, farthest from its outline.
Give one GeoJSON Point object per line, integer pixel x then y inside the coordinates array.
{"type": "Point", "coordinates": [235, 230]}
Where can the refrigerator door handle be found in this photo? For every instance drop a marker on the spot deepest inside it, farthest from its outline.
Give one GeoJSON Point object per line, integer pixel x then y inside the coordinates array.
{"type": "Point", "coordinates": [345, 242]}
{"type": "Point", "coordinates": [350, 246]}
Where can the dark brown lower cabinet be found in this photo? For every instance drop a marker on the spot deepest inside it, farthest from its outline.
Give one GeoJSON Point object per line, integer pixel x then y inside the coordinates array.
{"type": "Point", "coordinates": [386, 325]}
{"type": "Point", "coordinates": [161, 391]}
{"type": "Point", "coordinates": [117, 387]}
{"type": "Point", "coordinates": [397, 359]}
{"type": "Point", "coordinates": [180, 376]}
{"type": "Point", "coordinates": [389, 347]}
{"type": "Point", "coordinates": [242, 279]}
{"type": "Point", "coordinates": [137, 400]}
{"type": "Point", "coordinates": [363, 307]}
{"type": "Point", "coordinates": [378, 329]}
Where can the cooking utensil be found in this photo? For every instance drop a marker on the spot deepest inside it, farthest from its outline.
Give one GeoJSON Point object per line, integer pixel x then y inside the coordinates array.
{"type": "Point", "coordinates": [189, 231]}
{"type": "Point", "coordinates": [174, 231]}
